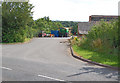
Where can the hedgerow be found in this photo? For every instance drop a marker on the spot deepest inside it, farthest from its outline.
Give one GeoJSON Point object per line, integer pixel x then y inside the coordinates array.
{"type": "Point", "coordinates": [103, 38]}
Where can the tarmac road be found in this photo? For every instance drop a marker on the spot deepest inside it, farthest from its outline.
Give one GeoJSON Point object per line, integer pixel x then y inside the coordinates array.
{"type": "Point", "coordinates": [49, 59]}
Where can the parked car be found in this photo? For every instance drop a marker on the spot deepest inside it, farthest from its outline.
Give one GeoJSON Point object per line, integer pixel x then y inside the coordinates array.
{"type": "Point", "coordinates": [43, 34]}
{"type": "Point", "coordinates": [52, 35]}
{"type": "Point", "coordinates": [48, 35]}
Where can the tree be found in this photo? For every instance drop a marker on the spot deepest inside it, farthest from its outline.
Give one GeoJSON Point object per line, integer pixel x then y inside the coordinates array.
{"type": "Point", "coordinates": [15, 19]}
{"type": "Point", "coordinates": [46, 25]}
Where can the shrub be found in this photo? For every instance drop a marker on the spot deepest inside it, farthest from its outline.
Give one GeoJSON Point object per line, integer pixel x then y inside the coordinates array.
{"type": "Point", "coordinates": [15, 21]}
{"type": "Point", "coordinates": [97, 43]}
{"type": "Point", "coordinates": [103, 37]}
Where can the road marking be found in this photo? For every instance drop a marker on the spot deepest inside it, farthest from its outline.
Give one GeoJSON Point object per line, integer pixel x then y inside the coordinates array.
{"type": "Point", "coordinates": [5, 68]}
{"type": "Point", "coordinates": [50, 78]}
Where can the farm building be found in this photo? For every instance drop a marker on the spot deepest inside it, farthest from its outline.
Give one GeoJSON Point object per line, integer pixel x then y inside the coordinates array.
{"type": "Point", "coordinates": [84, 27]}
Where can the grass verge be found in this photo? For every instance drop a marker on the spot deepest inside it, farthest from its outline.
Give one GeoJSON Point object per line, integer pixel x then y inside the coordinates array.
{"type": "Point", "coordinates": [25, 41]}
{"type": "Point", "coordinates": [111, 60]}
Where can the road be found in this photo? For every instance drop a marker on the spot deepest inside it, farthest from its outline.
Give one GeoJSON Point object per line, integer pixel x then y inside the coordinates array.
{"type": "Point", "coordinates": [49, 59]}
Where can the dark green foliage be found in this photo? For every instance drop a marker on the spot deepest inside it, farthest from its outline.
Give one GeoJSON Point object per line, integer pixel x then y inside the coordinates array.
{"type": "Point", "coordinates": [119, 39]}
{"type": "Point", "coordinates": [119, 32]}
{"type": "Point", "coordinates": [0, 26]}
{"type": "Point", "coordinates": [15, 19]}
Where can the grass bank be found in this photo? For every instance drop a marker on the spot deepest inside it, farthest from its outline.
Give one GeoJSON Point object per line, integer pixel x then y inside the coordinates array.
{"type": "Point", "coordinates": [102, 58]}
{"type": "Point", "coordinates": [25, 41]}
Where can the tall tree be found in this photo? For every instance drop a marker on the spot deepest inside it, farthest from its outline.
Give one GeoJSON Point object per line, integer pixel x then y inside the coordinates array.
{"type": "Point", "coordinates": [15, 18]}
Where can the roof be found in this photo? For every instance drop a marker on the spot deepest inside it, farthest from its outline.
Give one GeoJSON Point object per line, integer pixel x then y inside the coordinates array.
{"type": "Point", "coordinates": [99, 17]}
{"type": "Point", "coordinates": [104, 15]}
{"type": "Point", "coordinates": [84, 27]}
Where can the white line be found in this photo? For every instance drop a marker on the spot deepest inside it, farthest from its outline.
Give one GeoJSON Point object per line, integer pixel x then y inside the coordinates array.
{"type": "Point", "coordinates": [50, 78]}
{"type": "Point", "coordinates": [5, 68]}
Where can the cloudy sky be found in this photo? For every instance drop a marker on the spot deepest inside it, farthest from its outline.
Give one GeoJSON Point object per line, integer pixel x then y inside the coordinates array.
{"type": "Point", "coordinates": [73, 10]}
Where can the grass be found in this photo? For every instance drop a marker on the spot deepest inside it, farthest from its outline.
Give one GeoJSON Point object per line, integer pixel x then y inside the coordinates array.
{"type": "Point", "coordinates": [111, 60]}
{"type": "Point", "coordinates": [26, 40]}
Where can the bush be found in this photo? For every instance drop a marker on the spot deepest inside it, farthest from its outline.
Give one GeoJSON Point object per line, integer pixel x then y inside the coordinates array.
{"type": "Point", "coordinates": [16, 18]}
{"type": "Point", "coordinates": [103, 37]}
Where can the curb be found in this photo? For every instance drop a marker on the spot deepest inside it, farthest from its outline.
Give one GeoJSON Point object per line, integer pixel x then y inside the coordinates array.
{"type": "Point", "coordinates": [89, 61]}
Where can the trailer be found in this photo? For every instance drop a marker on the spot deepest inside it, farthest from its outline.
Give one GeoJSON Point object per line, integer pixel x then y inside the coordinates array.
{"type": "Point", "coordinates": [62, 32]}
{"type": "Point", "coordinates": [55, 32]}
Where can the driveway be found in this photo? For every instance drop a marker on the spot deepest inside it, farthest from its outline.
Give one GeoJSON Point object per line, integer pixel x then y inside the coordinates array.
{"type": "Point", "coordinates": [49, 59]}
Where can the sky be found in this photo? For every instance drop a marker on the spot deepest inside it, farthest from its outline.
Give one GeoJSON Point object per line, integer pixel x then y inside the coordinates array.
{"type": "Point", "coordinates": [73, 10]}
